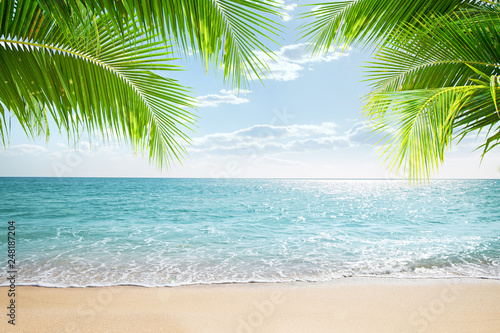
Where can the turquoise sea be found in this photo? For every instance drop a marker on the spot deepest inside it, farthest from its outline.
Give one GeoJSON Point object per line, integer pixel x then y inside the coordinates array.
{"type": "Point", "coordinates": [166, 232]}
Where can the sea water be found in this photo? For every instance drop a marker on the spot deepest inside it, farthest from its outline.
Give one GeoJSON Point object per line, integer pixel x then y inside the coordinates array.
{"type": "Point", "coordinates": [168, 232]}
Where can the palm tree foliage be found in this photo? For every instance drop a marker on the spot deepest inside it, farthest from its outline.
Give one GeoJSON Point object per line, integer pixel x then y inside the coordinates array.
{"type": "Point", "coordinates": [224, 32]}
{"type": "Point", "coordinates": [345, 23]}
{"type": "Point", "coordinates": [433, 76]}
{"type": "Point", "coordinates": [93, 65]}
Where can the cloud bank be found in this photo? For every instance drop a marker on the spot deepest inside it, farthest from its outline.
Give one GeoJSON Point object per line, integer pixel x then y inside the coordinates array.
{"type": "Point", "coordinates": [269, 139]}
{"type": "Point", "coordinates": [223, 97]}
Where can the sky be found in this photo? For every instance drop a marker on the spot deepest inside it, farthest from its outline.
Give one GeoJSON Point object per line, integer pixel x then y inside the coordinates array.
{"type": "Point", "coordinates": [303, 121]}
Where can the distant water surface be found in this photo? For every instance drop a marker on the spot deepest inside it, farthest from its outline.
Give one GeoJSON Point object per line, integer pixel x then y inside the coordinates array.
{"type": "Point", "coordinates": [165, 232]}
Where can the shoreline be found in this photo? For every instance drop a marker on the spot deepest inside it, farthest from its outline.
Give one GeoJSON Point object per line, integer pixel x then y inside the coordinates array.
{"type": "Point", "coordinates": [341, 280]}
{"type": "Point", "coordinates": [345, 305]}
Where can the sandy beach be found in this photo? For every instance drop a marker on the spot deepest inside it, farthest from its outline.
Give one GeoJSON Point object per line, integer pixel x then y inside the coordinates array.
{"type": "Point", "coordinates": [347, 305]}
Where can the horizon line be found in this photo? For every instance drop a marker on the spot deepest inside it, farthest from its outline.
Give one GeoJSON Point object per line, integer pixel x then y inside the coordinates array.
{"type": "Point", "coordinates": [229, 178]}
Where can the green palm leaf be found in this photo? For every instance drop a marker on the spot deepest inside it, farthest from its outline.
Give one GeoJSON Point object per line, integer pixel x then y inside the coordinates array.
{"type": "Point", "coordinates": [434, 76]}
{"type": "Point", "coordinates": [225, 33]}
{"type": "Point", "coordinates": [90, 80]}
{"type": "Point", "coordinates": [367, 21]}
{"type": "Point", "coordinates": [420, 126]}
{"type": "Point", "coordinates": [435, 81]}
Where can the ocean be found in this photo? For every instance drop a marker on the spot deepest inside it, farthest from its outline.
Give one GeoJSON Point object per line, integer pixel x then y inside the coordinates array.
{"type": "Point", "coordinates": [169, 232]}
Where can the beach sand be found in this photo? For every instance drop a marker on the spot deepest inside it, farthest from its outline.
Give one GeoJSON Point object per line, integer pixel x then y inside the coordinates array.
{"type": "Point", "coordinates": [347, 305]}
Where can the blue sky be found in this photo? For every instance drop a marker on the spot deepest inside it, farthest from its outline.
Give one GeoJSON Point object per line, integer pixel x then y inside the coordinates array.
{"type": "Point", "coordinates": [303, 122]}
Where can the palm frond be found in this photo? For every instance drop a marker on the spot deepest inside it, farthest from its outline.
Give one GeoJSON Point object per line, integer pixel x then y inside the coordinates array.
{"type": "Point", "coordinates": [91, 80]}
{"type": "Point", "coordinates": [418, 127]}
{"type": "Point", "coordinates": [420, 58]}
{"type": "Point", "coordinates": [433, 82]}
{"type": "Point", "coordinates": [225, 33]}
{"type": "Point", "coordinates": [348, 23]}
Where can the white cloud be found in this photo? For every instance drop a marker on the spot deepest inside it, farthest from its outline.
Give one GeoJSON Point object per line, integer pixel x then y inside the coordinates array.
{"type": "Point", "coordinates": [225, 97]}
{"type": "Point", "coordinates": [291, 59]}
{"type": "Point", "coordinates": [261, 132]}
{"type": "Point", "coordinates": [280, 69]}
{"type": "Point", "coordinates": [360, 133]}
{"type": "Point", "coordinates": [298, 53]}
{"type": "Point", "coordinates": [315, 8]}
{"type": "Point", "coordinates": [364, 133]}
{"type": "Point", "coordinates": [24, 149]}
{"type": "Point", "coordinates": [280, 162]}
{"type": "Point", "coordinates": [286, 9]}
{"type": "Point", "coordinates": [269, 139]}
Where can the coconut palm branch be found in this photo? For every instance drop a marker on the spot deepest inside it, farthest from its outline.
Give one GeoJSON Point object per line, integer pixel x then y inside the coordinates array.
{"type": "Point", "coordinates": [225, 33]}
{"type": "Point", "coordinates": [435, 81]}
{"type": "Point", "coordinates": [434, 74]}
{"type": "Point", "coordinates": [88, 79]}
{"type": "Point", "coordinates": [369, 22]}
